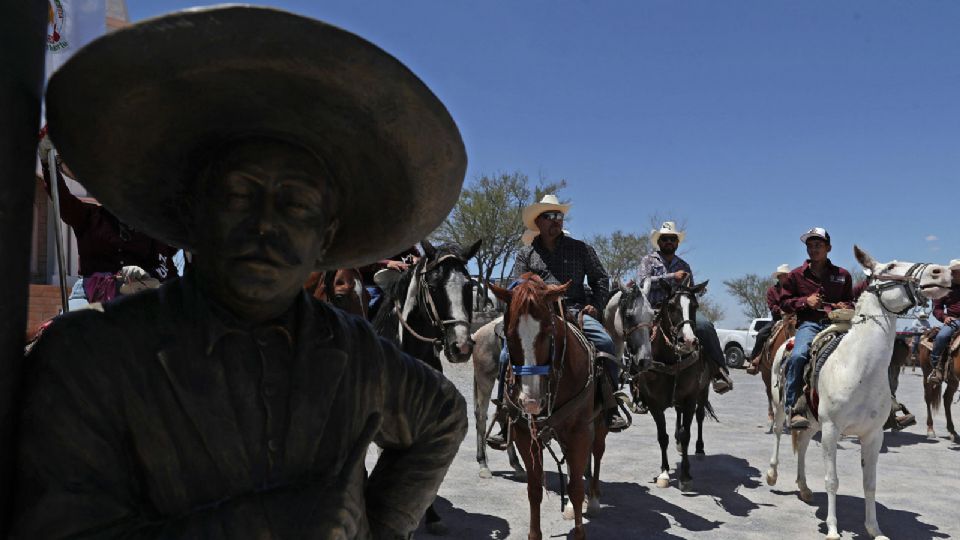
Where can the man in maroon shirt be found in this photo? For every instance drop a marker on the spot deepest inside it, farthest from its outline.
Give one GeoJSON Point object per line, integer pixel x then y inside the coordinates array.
{"type": "Point", "coordinates": [773, 304]}
{"type": "Point", "coordinates": [811, 291]}
{"type": "Point", "coordinates": [946, 309]}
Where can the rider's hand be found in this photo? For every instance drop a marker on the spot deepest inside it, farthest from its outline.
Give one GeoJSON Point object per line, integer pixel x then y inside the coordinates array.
{"type": "Point", "coordinates": [814, 300]}
{"type": "Point", "coordinates": [591, 311]}
{"type": "Point", "coordinates": [679, 275]}
{"type": "Point", "coordinates": [948, 319]}
{"type": "Point", "coordinates": [399, 266]}
{"type": "Point", "coordinates": [845, 305]}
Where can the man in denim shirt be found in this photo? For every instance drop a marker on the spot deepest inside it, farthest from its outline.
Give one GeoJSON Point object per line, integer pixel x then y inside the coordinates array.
{"type": "Point", "coordinates": [665, 270]}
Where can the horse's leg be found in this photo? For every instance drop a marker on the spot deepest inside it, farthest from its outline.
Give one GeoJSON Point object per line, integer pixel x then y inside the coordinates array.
{"type": "Point", "coordinates": [577, 452]}
{"type": "Point", "coordinates": [803, 441]}
{"type": "Point", "coordinates": [948, 392]}
{"type": "Point", "coordinates": [515, 463]}
{"type": "Point", "coordinates": [828, 440]}
{"type": "Point", "coordinates": [482, 388]}
{"type": "Point", "coordinates": [931, 393]}
{"type": "Point", "coordinates": [664, 479]}
{"type": "Point", "coordinates": [701, 412]}
{"type": "Point", "coordinates": [687, 414]}
{"type": "Point", "coordinates": [778, 417]}
{"type": "Point", "coordinates": [433, 522]}
{"type": "Point", "coordinates": [533, 459]}
{"type": "Point", "coordinates": [870, 453]}
{"type": "Point", "coordinates": [599, 447]}
{"type": "Point", "coordinates": [765, 375]}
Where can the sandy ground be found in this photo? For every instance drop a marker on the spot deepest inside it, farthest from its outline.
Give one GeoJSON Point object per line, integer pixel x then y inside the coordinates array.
{"type": "Point", "coordinates": [917, 487]}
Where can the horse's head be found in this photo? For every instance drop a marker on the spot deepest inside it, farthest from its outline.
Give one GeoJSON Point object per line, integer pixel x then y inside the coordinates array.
{"type": "Point", "coordinates": [448, 295]}
{"type": "Point", "coordinates": [899, 285]}
{"type": "Point", "coordinates": [635, 314]}
{"type": "Point", "coordinates": [678, 315]}
{"type": "Point", "coordinates": [531, 326]}
{"type": "Point", "coordinates": [348, 292]}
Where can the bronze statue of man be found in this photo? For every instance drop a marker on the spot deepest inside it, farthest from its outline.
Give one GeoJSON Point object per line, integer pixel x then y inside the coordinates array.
{"type": "Point", "coordinates": [229, 403]}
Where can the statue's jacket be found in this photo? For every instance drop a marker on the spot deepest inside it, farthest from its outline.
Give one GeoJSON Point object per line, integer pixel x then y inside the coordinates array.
{"type": "Point", "coordinates": [127, 429]}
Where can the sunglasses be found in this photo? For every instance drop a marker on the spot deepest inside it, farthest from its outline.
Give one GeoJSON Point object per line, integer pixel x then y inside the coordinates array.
{"type": "Point", "coordinates": [673, 239]}
{"type": "Point", "coordinates": [552, 216]}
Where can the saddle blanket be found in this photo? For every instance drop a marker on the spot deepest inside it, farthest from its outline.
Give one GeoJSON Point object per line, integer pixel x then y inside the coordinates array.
{"type": "Point", "coordinates": [926, 341]}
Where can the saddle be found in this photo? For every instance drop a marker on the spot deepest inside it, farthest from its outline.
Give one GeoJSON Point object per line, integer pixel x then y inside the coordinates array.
{"type": "Point", "coordinates": [820, 350]}
{"type": "Point", "coordinates": [930, 335]}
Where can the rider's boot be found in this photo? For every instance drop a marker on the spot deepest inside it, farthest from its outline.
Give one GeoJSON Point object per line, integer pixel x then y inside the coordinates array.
{"type": "Point", "coordinates": [798, 417]}
{"type": "Point", "coordinates": [754, 366]}
{"type": "Point", "coordinates": [935, 377]}
{"type": "Point", "coordinates": [498, 441]}
{"type": "Point", "coordinates": [615, 422]}
{"type": "Point", "coordinates": [721, 381]}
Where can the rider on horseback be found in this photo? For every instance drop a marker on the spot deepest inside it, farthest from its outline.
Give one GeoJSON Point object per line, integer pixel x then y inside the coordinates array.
{"type": "Point", "coordinates": [558, 258]}
{"type": "Point", "coordinates": [811, 291]}
{"type": "Point", "coordinates": [666, 270]}
{"type": "Point", "coordinates": [773, 303]}
{"type": "Point", "coordinates": [946, 309]}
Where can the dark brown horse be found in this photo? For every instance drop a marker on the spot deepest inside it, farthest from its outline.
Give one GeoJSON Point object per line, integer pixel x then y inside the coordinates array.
{"type": "Point", "coordinates": [679, 375]}
{"type": "Point", "coordinates": [343, 288]}
{"type": "Point", "coordinates": [931, 392]}
{"type": "Point", "coordinates": [551, 394]}
{"type": "Point", "coordinates": [785, 329]}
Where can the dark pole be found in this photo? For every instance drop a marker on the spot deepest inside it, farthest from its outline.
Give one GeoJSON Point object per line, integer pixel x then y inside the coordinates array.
{"type": "Point", "coordinates": [22, 43]}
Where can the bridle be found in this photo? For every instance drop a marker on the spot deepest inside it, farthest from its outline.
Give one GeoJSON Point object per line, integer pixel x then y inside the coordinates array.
{"type": "Point", "coordinates": [552, 369]}
{"type": "Point", "coordinates": [910, 281]}
{"type": "Point", "coordinates": [425, 299]}
{"type": "Point", "coordinates": [662, 320]}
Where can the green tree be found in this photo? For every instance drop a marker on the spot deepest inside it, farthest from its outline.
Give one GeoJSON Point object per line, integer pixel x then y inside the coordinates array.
{"type": "Point", "coordinates": [490, 209]}
{"type": "Point", "coordinates": [620, 252]}
{"type": "Point", "coordinates": [750, 291]}
{"type": "Point", "coordinates": [710, 310]}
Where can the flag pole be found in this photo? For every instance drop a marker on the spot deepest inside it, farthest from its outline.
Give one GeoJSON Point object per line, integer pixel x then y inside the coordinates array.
{"type": "Point", "coordinates": [61, 258]}
{"type": "Point", "coordinates": [22, 46]}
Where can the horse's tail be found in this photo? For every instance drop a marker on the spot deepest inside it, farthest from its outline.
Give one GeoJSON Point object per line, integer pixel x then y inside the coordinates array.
{"type": "Point", "coordinates": [708, 407]}
{"type": "Point", "coordinates": [795, 439]}
{"type": "Point", "coordinates": [934, 391]}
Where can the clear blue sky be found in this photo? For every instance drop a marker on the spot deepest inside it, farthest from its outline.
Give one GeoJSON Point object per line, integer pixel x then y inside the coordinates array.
{"type": "Point", "coordinates": [750, 120]}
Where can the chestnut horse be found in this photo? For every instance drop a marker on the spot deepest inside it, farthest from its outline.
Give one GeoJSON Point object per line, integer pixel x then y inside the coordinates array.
{"type": "Point", "coordinates": [343, 288]}
{"type": "Point", "coordinates": [931, 392]}
{"type": "Point", "coordinates": [551, 394]}
{"type": "Point", "coordinates": [785, 329]}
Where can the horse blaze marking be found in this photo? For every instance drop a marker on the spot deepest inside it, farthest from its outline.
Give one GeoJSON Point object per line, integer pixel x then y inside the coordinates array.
{"type": "Point", "coordinates": [528, 328]}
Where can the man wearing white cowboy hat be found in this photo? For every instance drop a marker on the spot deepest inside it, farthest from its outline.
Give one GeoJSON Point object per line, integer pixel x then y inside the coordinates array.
{"type": "Point", "coordinates": [947, 310]}
{"type": "Point", "coordinates": [558, 258]}
{"type": "Point", "coordinates": [665, 270]}
{"type": "Point", "coordinates": [811, 291]}
{"type": "Point", "coordinates": [229, 403]}
{"type": "Point", "coordinates": [773, 304]}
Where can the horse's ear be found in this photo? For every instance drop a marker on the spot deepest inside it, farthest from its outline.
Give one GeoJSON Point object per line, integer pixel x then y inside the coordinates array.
{"type": "Point", "coordinates": [471, 251]}
{"type": "Point", "coordinates": [701, 288]}
{"type": "Point", "coordinates": [428, 248]}
{"type": "Point", "coordinates": [864, 258]}
{"type": "Point", "coordinates": [502, 294]}
{"type": "Point", "coordinates": [555, 292]}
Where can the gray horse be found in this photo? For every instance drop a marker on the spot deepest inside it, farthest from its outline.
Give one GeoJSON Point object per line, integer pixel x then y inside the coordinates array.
{"type": "Point", "coordinates": [486, 366]}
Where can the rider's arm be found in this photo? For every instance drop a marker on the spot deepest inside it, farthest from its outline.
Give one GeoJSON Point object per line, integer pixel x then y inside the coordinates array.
{"type": "Point", "coordinates": [773, 301]}
{"type": "Point", "coordinates": [648, 269]}
{"type": "Point", "coordinates": [791, 300]}
{"type": "Point", "coordinates": [522, 263]}
{"type": "Point", "coordinates": [939, 308]}
{"type": "Point", "coordinates": [598, 280]}
{"type": "Point", "coordinates": [73, 211]}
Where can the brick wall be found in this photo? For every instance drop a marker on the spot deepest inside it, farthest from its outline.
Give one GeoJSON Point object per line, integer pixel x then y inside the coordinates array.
{"type": "Point", "coordinates": [44, 305]}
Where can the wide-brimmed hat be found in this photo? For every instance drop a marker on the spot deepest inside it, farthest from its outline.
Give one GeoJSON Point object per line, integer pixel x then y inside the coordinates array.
{"type": "Point", "coordinates": [667, 228]}
{"type": "Point", "coordinates": [954, 264]}
{"type": "Point", "coordinates": [136, 112]}
{"type": "Point", "coordinates": [782, 269]}
{"type": "Point", "coordinates": [816, 232]}
{"type": "Point", "coordinates": [547, 203]}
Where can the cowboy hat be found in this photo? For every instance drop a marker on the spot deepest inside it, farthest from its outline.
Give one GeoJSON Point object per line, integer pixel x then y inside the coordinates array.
{"type": "Point", "coordinates": [954, 264]}
{"type": "Point", "coordinates": [782, 269]}
{"type": "Point", "coordinates": [667, 228]}
{"type": "Point", "coordinates": [547, 203]}
{"type": "Point", "coordinates": [137, 111]}
{"type": "Point", "coordinates": [816, 232]}
{"type": "Point", "coordinates": [529, 235]}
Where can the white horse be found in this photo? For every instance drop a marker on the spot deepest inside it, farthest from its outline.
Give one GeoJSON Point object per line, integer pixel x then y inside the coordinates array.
{"type": "Point", "coordinates": [853, 385]}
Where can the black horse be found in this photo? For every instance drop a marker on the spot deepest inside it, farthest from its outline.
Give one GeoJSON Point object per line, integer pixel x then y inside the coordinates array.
{"type": "Point", "coordinates": [678, 376]}
{"type": "Point", "coordinates": [428, 308]}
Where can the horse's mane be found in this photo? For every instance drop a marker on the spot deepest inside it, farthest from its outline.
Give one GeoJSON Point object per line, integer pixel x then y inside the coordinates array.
{"type": "Point", "coordinates": [530, 291]}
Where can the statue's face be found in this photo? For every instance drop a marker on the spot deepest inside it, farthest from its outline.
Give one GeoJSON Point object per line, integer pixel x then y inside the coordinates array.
{"type": "Point", "coordinates": [265, 223]}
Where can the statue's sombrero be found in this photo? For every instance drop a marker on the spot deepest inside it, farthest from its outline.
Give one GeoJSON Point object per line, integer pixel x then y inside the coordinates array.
{"type": "Point", "coordinates": [133, 113]}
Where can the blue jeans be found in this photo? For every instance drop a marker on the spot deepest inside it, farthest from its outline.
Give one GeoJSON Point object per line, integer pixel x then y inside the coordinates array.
{"type": "Point", "coordinates": [594, 332]}
{"type": "Point", "coordinates": [942, 340]}
{"type": "Point", "coordinates": [799, 358]}
{"type": "Point", "coordinates": [78, 297]}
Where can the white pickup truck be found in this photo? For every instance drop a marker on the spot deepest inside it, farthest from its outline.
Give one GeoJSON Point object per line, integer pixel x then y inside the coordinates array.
{"type": "Point", "coordinates": [737, 344]}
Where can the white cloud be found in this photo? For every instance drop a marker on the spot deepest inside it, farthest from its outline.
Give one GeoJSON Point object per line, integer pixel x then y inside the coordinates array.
{"type": "Point", "coordinates": [931, 238]}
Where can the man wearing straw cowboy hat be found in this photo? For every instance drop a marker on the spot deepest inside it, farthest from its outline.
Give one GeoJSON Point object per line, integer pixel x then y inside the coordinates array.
{"type": "Point", "coordinates": [946, 310]}
{"type": "Point", "coordinates": [773, 304]}
{"type": "Point", "coordinates": [665, 270]}
{"type": "Point", "coordinates": [558, 258]}
{"type": "Point", "coordinates": [229, 403]}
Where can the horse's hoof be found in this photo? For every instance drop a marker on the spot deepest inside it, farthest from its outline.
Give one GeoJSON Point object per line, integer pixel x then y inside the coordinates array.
{"type": "Point", "coordinates": [485, 472]}
{"type": "Point", "coordinates": [437, 528]}
{"type": "Point", "coordinates": [806, 495]}
{"type": "Point", "coordinates": [955, 438]}
{"type": "Point", "coordinates": [686, 486]}
{"type": "Point", "coordinates": [931, 435]}
{"type": "Point", "coordinates": [593, 507]}
{"type": "Point", "coordinates": [880, 537]}
{"type": "Point", "coordinates": [663, 480]}
{"type": "Point", "coordinates": [833, 536]}
{"type": "Point", "coordinates": [579, 533]}
{"type": "Point", "coordinates": [700, 455]}
{"type": "Point", "coordinates": [534, 536]}
{"type": "Point", "coordinates": [568, 513]}
{"type": "Point", "coordinates": [771, 477]}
